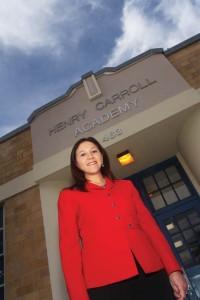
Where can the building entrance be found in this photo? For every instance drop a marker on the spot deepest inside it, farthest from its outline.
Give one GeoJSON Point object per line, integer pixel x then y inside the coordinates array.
{"type": "Point", "coordinates": [174, 203]}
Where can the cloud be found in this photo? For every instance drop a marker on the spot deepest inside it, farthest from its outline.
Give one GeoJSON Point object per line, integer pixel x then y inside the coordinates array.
{"type": "Point", "coordinates": [95, 4]}
{"type": "Point", "coordinates": [150, 24]}
{"type": "Point", "coordinates": [183, 15]}
{"type": "Point", "coordinates": [24, 24]}
{"type": "Point", "coordinates": [45, 24]}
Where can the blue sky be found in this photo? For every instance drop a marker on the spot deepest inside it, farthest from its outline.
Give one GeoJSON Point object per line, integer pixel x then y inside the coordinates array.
{"type": "Point", "coordinates": [47, 45]}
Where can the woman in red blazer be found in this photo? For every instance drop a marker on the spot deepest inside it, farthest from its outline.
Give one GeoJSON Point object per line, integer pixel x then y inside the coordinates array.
{"type": "Point", "coordinates": [111, 248]}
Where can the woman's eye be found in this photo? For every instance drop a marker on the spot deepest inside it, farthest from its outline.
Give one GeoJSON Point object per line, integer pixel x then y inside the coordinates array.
{"type": "Point", "coordinates": [82, 154]}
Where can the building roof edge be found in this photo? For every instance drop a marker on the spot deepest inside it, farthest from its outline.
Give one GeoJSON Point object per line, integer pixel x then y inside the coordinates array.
{"type": "Point", "coordinates": [130, 61]}
{"type": "Point", "coordinates": [75, 85]}
{"type": "Point", "coordinates": [14, 132]}
{"type": "Point", "coordinates": [182, 45]}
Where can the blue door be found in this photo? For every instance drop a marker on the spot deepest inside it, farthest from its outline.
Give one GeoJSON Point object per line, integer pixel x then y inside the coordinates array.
{"type": "Point", "coordinates": [168, 193]}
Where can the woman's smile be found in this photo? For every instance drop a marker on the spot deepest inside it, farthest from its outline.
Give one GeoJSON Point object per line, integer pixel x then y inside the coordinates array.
{"type": "Point", "coordinates": [88, 158]}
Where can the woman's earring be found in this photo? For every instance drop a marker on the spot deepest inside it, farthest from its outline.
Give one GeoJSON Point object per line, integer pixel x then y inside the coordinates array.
{"type": "Point", "coordinates": [102, 165]}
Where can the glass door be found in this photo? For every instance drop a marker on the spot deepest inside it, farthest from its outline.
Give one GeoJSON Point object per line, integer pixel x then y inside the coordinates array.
{"type": "Point", "coordinates": [182, 229]}
{"type": "Point", "coordinates": [175, 205]}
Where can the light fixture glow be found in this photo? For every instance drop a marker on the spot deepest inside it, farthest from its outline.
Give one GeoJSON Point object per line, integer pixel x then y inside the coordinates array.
{"type": "Point", "coordinates": [125, 158]}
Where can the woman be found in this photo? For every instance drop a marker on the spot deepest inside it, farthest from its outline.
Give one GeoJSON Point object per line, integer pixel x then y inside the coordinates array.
{"type": "Point", "coordinates": [111, 248]}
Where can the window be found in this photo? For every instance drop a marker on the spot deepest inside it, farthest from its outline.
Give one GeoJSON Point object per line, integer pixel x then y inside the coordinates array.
{"type": "Point", "coordinates": [1, 254]}
{"type": "Point", "coordinates": [165, 187]}
{"type": "Point", "coordinates": [184, 230]}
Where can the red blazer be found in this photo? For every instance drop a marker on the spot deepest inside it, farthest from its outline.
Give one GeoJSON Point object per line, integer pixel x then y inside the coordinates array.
{"type": "Point", "coordinates": [99, 232]}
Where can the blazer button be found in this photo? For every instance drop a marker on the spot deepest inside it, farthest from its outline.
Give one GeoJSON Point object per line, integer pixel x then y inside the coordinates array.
{"type": "Point", "coordinates": [113, 204]}
{"type": "Point", "coordinates": [130, 225]}
{"type": "Point", "coordinates": [108, 195]}
{"type": "Point", "coordinates": [117, 217]}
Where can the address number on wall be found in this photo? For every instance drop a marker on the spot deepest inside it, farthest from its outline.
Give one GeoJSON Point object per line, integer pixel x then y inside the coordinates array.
{"type": "Point", "coordinates": [111, 135]}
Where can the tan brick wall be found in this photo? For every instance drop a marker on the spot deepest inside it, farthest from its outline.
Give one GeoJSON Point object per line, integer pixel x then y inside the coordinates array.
{"type": "Point", "coordinates": [187, 63]}
{"type": "Point", "coordinates": [16, 156]}
{"type": "Point", "coordinates": [27, 274]}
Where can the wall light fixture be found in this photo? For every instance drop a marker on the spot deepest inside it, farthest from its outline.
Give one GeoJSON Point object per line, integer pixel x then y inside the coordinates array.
{"type": "Point", "coordinates": [125, 158]}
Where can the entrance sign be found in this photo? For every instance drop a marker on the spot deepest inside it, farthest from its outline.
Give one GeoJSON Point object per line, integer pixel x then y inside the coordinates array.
{"type": "Point", "coordinates": [122, 94]}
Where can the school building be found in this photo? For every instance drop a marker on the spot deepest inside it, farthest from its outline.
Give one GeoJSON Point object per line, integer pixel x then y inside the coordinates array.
{"type": "Point", "coordinates": [148, 106]}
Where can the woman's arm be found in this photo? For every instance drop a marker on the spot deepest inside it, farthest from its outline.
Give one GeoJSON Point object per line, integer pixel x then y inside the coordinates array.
{"type": "Point", "coordinates": [155, 235]}
{"type": "Point", "coordinates": [70, 250]}
{"type": "Point", "coordinates": [161, 246]}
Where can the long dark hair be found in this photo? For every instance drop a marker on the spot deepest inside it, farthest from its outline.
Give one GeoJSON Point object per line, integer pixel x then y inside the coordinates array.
{"type": "Point", "coordinates": [78, 175]}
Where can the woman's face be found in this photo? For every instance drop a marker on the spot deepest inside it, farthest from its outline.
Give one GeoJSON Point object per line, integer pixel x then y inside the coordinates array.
{"type": "Point", "coordinates": [88, 158]}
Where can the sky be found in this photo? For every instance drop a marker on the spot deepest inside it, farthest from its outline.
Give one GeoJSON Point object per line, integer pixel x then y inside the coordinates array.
{"type": "Point", "coordinates": [47, 45]}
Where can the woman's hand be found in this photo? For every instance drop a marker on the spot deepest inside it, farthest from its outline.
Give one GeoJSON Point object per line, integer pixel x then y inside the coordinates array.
{"type": "Point", "coordinates": [179, 285]}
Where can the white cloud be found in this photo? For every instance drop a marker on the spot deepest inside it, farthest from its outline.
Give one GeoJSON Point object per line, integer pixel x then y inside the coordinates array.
{"type": "Point", "coordinates": [145, 27]}
{"type": "Point", "coordinates": [31, 24]}
{"type": "Point", "coordinates": [24, 24]}
{"type": "Point", "coordinates": [184, 15]}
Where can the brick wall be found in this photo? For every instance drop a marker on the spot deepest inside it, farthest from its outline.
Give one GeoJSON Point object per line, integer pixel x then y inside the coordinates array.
{"type": "Point", "coordinates": [27, 273]}
{"type": "Point", "coordinates": [187, 63]}
{"type": "Point", "coordinates": [16, 156]}
{"type": "Point", "coordinates": [26, 265]}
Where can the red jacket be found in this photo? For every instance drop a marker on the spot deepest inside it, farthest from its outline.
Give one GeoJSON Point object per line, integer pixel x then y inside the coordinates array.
{"type": "Point", "coordinates": [112, 224]}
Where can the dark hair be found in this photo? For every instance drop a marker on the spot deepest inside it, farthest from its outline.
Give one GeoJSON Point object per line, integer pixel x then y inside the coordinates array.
{"type": "Point", "coordinates": [77, 174]}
